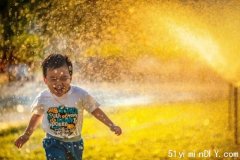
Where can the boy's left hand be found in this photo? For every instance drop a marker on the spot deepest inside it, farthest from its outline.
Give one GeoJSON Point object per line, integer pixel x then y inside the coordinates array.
{"type": "Point", "coordinates": [21, 140]}
{"type": "Point", "coordinates": [116, 129]}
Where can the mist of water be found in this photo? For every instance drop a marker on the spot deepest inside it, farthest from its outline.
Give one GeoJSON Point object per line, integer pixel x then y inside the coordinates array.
{"type": "Point", "coordinates": [164, 30]}
{"type": "Point", "coordinates": [131, 53]}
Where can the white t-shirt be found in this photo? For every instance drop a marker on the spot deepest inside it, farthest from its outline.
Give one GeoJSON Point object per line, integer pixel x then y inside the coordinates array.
{"type": "Point", "coordinates": [63, 116]}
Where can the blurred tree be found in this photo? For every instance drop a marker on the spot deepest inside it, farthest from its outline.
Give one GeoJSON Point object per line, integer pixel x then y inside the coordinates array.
{"type": "Point", "coordinates": [31, 28]}
{"type": "Point", "coordinates": [3, 47]}
{"type": "Point", "coordinates": [20, 43]}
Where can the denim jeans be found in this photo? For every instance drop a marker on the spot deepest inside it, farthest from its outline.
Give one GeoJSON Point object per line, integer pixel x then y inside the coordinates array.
{"type": "Point", "coordinates": [59, 150]}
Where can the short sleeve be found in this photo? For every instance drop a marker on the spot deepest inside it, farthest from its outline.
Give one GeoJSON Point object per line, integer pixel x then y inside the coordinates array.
{"type": "Point", "coordinates": [90, 104]}
{"type": "Point", "coordinates": [37, 107]}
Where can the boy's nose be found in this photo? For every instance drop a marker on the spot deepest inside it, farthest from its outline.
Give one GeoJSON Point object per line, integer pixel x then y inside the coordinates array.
{"type": "Point", "coordinates": [58, 84]}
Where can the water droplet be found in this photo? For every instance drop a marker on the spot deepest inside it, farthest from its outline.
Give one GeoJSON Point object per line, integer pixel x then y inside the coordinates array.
{"type": "Point", "coordinates": [27, 150]}
{"type": "Point", "coordinates": [20, 108]}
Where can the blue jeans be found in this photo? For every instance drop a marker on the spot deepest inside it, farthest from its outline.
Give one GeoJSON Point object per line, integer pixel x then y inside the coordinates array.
{"type": "Point", "coordinates": [59, 150]}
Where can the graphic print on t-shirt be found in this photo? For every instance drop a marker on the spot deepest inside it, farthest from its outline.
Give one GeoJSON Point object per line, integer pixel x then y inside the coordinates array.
{"type": "Point", "coordinates": [62, 120]}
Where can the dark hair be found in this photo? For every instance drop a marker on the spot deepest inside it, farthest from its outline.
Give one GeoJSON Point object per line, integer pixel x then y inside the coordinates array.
{"type": "Point", "coordinates": [54, 61]}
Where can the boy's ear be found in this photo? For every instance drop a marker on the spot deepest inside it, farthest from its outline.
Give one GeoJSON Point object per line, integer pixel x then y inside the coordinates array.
{"type": "Point", "coordinates": [45, 79]}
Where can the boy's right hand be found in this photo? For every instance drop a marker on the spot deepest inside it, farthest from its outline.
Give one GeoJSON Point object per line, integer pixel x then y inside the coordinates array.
{"type": "Point", "coordinates": [21, 140]}
{"type": "Point", "coordinates": [116, 129]}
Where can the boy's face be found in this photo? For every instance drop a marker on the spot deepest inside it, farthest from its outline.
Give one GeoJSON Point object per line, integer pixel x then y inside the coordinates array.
{"type": "Point", "coordinates": [58, 80]}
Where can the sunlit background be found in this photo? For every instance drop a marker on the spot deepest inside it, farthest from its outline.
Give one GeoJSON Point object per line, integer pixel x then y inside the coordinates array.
{"type": "Point", "coordinates": [176, 56]}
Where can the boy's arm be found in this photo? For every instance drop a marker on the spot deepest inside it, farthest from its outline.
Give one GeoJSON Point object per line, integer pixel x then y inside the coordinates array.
{"type": "Point", "coordinates": [34, 121]}
{"type": "Point", "coordinates": [100, 115]}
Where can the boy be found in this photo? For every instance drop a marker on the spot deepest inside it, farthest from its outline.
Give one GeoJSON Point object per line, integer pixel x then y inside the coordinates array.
{"type": "Point", "coordinates": [60, 108]}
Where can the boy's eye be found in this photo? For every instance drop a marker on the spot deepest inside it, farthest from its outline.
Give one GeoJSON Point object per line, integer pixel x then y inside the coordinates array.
{"type": "Point", "coordinates": [53, 79]}
{"type": "Point", "coordinates": [63, 79]}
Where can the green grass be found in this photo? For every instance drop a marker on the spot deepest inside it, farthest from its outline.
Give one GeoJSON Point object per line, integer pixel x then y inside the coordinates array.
{"type": "Point", "coordinates": [149, 132]}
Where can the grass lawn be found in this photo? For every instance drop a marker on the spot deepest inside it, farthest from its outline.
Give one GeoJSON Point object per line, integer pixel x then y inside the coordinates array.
{"type": "Point", "coordinates": [149, 133]}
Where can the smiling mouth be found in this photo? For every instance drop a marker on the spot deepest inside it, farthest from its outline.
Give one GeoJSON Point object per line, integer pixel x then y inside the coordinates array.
{"type": "Point", "coordinates": [59, 90]}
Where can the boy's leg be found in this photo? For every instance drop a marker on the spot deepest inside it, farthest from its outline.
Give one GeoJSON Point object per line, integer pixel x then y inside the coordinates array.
{"type": "Point", "coordinates": [54, 150]}
{"type": "Point", "coordinates": [74, 150]}
{"type": "Point", "coordinates": [78, 149]}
